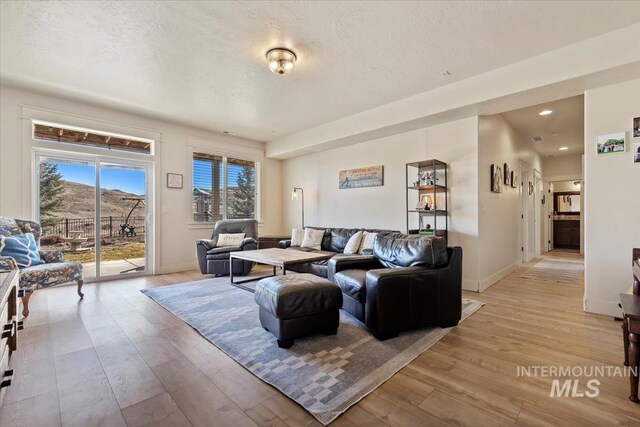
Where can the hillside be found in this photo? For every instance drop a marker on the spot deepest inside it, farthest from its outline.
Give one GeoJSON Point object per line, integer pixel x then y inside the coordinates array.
{"type": "Point", "coordinates": [79, 202]}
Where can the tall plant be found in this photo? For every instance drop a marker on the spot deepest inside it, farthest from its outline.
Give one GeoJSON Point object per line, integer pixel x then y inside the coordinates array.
{"type": "Point", "coordinates": [51, 193]}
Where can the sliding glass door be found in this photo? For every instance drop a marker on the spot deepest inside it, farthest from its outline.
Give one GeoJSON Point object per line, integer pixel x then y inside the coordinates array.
{"type": "Point", "coordinates": [96, 210]}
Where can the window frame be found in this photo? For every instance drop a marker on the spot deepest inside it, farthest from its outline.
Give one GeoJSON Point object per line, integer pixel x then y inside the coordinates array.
{"type": "Point", "coordinates": [225, 151]}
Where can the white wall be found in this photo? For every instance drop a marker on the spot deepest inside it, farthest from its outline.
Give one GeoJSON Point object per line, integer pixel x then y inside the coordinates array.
{"type": "Point", "coordinates": [499, 221]}
{"type": "Point", "coordinates": [612, 203]}
{"type": "Point", "coordinates": [175, 249]}
{"type": "Point", "coordinates": [385, 207]}
{"type": "Point", "coordinates": [562, 168]}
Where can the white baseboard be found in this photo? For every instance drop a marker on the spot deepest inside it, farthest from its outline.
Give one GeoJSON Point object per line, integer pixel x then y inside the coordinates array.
{"type": "Point", "coordinates": [496, 277]}
{"type": "Point", "coordinates": [176, 268]}
{"type": "Point", "coordinates": [608, 308]}
{"type": "Point", "coordinates": [469, 285]}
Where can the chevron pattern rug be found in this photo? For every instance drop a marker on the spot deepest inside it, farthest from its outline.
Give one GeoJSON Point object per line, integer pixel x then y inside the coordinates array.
{"type": "Point", "coordinates": [324, 374]}
{"type": "Point", "coordinates": [556, 271]}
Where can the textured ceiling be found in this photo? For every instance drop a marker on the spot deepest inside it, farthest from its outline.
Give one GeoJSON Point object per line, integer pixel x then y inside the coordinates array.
{"type": "Point", "coordinates": [562, 128]}
{"type": "Point", "coordinates": [203, 63]}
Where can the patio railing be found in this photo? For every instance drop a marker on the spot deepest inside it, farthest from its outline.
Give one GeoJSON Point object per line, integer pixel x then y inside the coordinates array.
{"type": "Point", "coordinates": [109, 226]}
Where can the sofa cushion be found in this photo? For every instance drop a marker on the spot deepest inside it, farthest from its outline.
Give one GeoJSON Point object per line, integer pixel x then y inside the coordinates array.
{"type": "Point", "coordinates": [401, 250]}
{"type": "Point", "coordinates": [366, 245]}
{"type": "Point", "coordinates": [352, 283]}
{"type": "Point", "coordinates": [312, 239]}
{"type": "Point", "coordinates": [22, 248]}
{"type": "Point", "coordinates": [297, 295]}
{"type": "Point", "coordinates": [47, 275]}
{"type": "Point", "coordinates": [340, 237]}
{"type": "Point", "coordinates": [353, 244]}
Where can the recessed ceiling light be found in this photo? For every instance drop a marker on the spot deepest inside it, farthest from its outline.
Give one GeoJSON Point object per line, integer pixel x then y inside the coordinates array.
{"type": "Point", "coordinates": [545, 112]}
{"type": "Point", "coordinates": [563, 148]}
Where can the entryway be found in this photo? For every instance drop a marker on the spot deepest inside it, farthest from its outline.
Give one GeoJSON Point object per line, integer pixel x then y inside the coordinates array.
{"type": "Point", "coordinates": [96, 209]}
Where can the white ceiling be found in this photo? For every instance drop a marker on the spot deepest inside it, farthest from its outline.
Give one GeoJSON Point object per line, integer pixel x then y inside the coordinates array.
{"type": "Point", "coordinates": [564, 127]}
{"type": "Point", "coordinates": [203, 63]}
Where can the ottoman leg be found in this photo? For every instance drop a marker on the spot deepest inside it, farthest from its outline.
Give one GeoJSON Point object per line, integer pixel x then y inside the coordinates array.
{"type": "Point", "coordinates": [285, 343]}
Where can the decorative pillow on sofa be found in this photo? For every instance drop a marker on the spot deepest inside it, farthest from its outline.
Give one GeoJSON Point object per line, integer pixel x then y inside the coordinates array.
{"type": "Point", "coordinates": [297, 235]}
{"type": "Point", "coordinates": [232, 239]}
{"type": "Point", "coordinates": [312, 239]}
{"type": "Point", "coordinates": [21, 247]}
{"type": "Point", "coordinates": [353, 244]}
{"type": "Point", "coordinates": [366, 247]}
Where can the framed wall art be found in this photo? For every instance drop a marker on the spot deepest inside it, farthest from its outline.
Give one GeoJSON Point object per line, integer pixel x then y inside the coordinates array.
{"type": "Point", "coordinates": [496, 179]}
{"type": "Point", "coordinates": [174, 180]}
{"type": "Point", "coordinates": [371, 176]}
{"type": "Point", "coordinates": [611, 143]}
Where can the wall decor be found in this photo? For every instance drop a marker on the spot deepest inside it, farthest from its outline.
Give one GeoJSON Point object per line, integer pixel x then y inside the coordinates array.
{"type": "Point", "coordinates": [496, 179]}
{"type": "Point", "coordinates": [514, 179]}
{"type": "Point", "coordinates": [507, 175]}
{"type": "Point", "coordinates": [174, 180]}
{"type": "Point", "coordinates": [636, 127]}
{"type": "Point", "coordinates": [371, 176]}
{"type": "Point", "coordinates": [636, 153]}
{"type": "Point", "coordinates": [611, 143]}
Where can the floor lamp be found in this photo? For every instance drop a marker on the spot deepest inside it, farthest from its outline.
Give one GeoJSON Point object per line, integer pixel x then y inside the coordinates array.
{"type": "Point", "coordinates": [294, 196]}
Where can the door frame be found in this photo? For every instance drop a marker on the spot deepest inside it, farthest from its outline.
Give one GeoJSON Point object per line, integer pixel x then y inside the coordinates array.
{"type": "Point", "coordinates": [148, 166]}
{"type": "Point", "coordinates": [538, 213]}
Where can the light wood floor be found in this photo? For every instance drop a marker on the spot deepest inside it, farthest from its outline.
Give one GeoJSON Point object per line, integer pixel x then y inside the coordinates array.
{"type": "Point", "coordinates": [118, 358]}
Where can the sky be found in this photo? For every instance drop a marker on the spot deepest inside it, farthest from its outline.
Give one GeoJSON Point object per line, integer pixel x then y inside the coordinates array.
{"type": "Point", "coordinates": [127, 180]}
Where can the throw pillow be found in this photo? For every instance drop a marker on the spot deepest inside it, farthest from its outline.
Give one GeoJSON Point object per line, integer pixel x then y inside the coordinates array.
{"type": "Point", "coordinates": [366, 246]}
{"type": "Point", "coordinates": [353, 244]}
{"type": "Point", "coordinates": [297, 235]}
{"type": "Point", "coordinates": [312, 239]}
{"type": "Point", "coordinates": [232, 239]}
{"type": "Point", "coordinates": [21, 247]}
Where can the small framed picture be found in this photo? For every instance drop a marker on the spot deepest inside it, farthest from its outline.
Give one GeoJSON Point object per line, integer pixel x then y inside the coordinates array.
{"type": "Point", "coordinates": [174, 180]}
{"type": "Point", "coordinates": [514, 179]}
{"type": "Point", "coordinates": [496, 179]}
{"type": "Point", "coordinates": [611, 143]}
{"type": "Point", "coordinates": [636, 127]}
{"type": "Point", "coordinates": [636, 153]}
{"type": "Point", "coordinates": [507, 175]}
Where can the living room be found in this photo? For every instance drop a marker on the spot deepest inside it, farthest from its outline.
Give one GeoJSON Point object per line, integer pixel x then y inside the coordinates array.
{"type": "Point", "coordinates": [194, 95]}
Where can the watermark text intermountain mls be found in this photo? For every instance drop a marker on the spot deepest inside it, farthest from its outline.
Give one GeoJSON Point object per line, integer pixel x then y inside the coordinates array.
{"type": "Point", "coordinates": [567, 380]}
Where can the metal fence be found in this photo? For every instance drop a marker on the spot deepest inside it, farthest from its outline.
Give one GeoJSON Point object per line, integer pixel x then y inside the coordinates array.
{"type": "Point", "coordinates": [110, 226]}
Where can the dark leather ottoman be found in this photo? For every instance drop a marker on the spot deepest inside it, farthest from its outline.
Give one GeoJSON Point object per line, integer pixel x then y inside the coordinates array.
{"type": "Point", "coordinates": [297, 305]}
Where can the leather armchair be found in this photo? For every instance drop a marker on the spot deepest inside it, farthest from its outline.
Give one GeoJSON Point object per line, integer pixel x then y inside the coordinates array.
{"type": "Point", "coordinates": [410, 282]}
{"type": "Point", "coordinates": [213, 259]}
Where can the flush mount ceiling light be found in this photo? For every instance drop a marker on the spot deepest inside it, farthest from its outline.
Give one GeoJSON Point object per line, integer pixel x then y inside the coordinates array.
{"type": "Point", "coordinates": [545, 112]}
{"type": "Point", "coordinates": [281, 60]}
{"type": "Point", "coordinates": [563, 148]}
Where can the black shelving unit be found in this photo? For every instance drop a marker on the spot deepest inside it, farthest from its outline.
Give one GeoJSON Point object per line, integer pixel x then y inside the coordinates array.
{"type": "Point", "coordinates": [427, 185]}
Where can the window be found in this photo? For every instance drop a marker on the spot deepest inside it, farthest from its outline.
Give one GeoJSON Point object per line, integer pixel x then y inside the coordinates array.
{"type": "Point", "coordinates": [51, 132]}
{"type": "Point", "coordinates": [223, 188]}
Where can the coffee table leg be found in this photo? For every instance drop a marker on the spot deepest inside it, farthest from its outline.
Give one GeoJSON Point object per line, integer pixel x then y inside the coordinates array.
{"type": "Point", "coordinates": [634, 356]}
{"type": "Point", "coordinates": [284, 270]}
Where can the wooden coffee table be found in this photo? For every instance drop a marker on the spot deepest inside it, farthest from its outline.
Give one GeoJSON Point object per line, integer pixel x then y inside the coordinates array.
{"type": "Point", "coordinates": [278, 258]}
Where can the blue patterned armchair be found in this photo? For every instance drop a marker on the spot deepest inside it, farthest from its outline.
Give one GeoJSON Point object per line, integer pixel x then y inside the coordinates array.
{"type": "Point", "coordinates": [53, 271]}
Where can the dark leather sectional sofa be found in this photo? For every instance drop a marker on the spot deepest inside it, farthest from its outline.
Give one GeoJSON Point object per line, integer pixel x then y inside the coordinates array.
{"type": "Point", "coordinates": [407, 282]}
{"type": "Point", "coordinates": [334, 241]}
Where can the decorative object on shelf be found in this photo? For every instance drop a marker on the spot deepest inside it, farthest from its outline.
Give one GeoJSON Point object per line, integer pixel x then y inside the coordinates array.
{"type": "Point", "coordinates": [430, 215]}
{"type": "Point", "coordinates": [611, 143]}
{"type": "Point", "coordinates": [636, 127]}
{"type": "Point", "coordinates": [294, 196]}
{"type": "Point", "coordinates": [496, 179]}
{"type": "Point", "coordinates": [514, 179]}
{"type": "Point", "coordinates": [636, 153]}
{"type": "Point", "coordinates": [281, 60]}
{"type": "Point", "coordinates": [174, 180]}
{"type": "Point", "coordinates": [371, 176]}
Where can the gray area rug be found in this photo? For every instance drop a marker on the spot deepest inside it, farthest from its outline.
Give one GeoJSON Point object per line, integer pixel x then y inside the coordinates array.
{"type": "Point", "coordinates": [324, 374]}
{"type": "Point", "coordinates": [556, 271]}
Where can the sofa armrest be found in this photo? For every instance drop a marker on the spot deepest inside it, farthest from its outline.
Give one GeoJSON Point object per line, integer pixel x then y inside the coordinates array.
{"type": "Point", "coordinates": [400, 299]}
{"type": "Point", "coordinates": [248, 244]}
{"type": "Point", "coordinates": [207, 243]}
{"type": "Point", "coordinates": [51, 256]}
{"type": "Point", "coordinates": [7, 263]}
{"type": "Point", "coordinates": [284, 244]}
{"type": "Point", "coordinates": [346, 262]}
